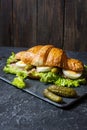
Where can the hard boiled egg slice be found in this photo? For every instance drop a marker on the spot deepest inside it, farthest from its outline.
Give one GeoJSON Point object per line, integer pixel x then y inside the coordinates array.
{"type": "Point", "coordinates": [20, 64]}
{"type": "Point", "coordinates": [72, 74]}
{"type": "Point", "coordinates": [43, 69]}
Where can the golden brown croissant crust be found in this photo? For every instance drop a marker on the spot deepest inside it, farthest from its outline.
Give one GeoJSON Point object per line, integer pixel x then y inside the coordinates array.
{"type": "Point", "coordinates": [48, 55]}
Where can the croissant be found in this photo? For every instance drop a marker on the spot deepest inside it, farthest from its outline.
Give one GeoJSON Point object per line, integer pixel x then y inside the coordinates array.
{"type": "Point", "coordinates": [48, 55]}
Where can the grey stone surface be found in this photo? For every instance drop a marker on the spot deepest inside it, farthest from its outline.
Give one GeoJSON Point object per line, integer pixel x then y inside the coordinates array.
{"type": "Point", "coordinates": [22, 111]}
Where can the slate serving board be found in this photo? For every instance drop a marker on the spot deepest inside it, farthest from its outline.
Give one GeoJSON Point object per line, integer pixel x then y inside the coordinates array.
{"type": "Point", "coordinates": [36, 88]}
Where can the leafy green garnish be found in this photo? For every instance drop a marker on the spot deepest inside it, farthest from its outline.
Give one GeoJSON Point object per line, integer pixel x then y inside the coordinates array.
{"type": "Point", "coordinates": [9, 69]}
{"type": "Point", "coordinates": [19, 82]}
{"type": "Point", "coordinates": [11, 59]}
{"type": "Point", "coordinates": [61, 81]}
{"type": "Point", "coordinates": [14, 70]}
{"type": "Point", "coordinates": [48, 77]}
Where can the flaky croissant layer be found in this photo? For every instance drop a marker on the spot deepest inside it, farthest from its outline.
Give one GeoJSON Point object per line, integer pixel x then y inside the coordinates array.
{"type": "Point", "coordinates": [48, 55]}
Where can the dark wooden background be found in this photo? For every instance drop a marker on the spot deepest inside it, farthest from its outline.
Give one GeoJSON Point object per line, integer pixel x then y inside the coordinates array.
{"type": "Point", "coordinates": [25, 23]}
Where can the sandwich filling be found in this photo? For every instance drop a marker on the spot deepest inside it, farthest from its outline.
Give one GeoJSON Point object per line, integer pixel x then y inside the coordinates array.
{"type": "Point", "coordinates": [47, 74]}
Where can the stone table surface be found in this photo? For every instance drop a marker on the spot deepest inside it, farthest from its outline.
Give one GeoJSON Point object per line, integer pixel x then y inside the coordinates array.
{"type": "Point", "coordinates": [22, 111]}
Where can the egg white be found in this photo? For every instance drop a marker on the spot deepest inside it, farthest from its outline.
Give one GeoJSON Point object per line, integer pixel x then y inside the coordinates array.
{"type": "Point", "coordinates": [43, 69]}
{"type": "Point", "coordinates": [20, 64]}
{"type": "Point", "coordinates": [72, 74]}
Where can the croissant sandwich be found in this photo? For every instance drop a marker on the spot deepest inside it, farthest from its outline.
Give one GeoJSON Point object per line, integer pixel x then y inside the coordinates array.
{"type": "Point", "coordinates": [48, 64]}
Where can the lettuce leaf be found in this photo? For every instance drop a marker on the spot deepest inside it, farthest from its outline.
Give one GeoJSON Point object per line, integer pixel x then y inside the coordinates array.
{"type": "Point", "coordinates": [19, 82]}
{"type": "Point", "coordinates": [48, 77]}
{"type": "Point", "coordinates": [14, 70]}
{"type": "Point", "coordinates": [60, 80]}
{"type": "Point", "coordinates": [11, 58]}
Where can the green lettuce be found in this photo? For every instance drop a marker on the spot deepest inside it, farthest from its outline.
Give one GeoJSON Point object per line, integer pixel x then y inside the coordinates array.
{"type": "Point", "coordinates": [48, 77]}
{"type": "Point", "coordinates": [11, 58]}
{"type": "Point", "coordinates": [19, 82]}
{"type": "Point", "coordinates": [14, 70]}
{"type": "Point", "coordinates": [60, 80]}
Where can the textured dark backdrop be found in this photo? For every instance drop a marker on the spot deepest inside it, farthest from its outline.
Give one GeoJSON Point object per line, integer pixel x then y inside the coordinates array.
{"type": "Point", "coordinates": [25, 23]}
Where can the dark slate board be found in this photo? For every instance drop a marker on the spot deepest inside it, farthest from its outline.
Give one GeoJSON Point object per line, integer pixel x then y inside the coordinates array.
{"type": "Point", "coordinates": [36, 88]}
